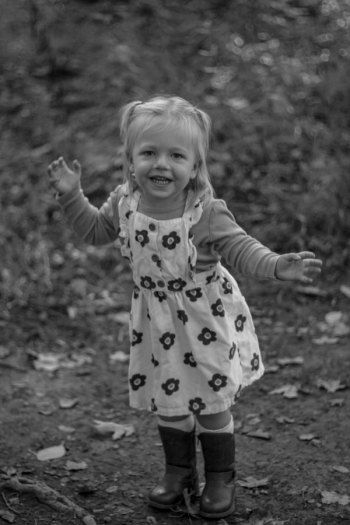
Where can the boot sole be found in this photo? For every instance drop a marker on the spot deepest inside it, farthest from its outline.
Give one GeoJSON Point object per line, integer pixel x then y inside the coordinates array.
{"type": "Point", "coordinates": [163, 506]}
{"type": "Point", "coordinates": [218, 514]}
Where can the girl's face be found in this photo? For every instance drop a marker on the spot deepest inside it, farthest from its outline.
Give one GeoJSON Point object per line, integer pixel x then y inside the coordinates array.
{"type": "Point", "coordinates": [163, 162]}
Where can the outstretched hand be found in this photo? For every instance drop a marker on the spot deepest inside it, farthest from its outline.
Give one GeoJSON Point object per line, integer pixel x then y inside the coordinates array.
{"type": "Point", "coordinates": [298, 267]}
{"type": "Point", "coordinates": [61, 177]}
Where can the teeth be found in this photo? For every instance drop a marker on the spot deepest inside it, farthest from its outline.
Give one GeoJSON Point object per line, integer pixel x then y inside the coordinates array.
{"type": "Point", "coordinates": [160, 181]}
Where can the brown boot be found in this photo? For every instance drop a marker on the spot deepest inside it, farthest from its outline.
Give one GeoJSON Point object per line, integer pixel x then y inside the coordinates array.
{"type": "Point", "coordinates": [180, 468]}
{"type": "Point", "coordinates": [218, 498]}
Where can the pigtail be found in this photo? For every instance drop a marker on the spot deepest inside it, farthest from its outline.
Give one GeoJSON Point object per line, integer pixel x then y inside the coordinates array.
{"type": "Point", "coordinates": [126, 116]}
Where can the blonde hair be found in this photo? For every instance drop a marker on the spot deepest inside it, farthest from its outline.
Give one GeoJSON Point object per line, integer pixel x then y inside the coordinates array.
{"type": "Point", "coordinates": [170, 113]}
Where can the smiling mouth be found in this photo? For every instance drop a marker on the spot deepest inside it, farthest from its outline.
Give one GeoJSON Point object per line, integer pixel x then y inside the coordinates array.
{"type": "Point", "coordinates": [160, 180]}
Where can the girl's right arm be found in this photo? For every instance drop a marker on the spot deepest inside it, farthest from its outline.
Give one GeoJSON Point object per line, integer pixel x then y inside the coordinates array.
{"type": "Point", "coordinates": [93, 226]}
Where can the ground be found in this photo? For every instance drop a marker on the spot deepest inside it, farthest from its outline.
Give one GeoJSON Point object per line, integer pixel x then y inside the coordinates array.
{"type": "Point", "coordinates": [64, 307]}
{"type": "Point", "coordinates": [121, 472]}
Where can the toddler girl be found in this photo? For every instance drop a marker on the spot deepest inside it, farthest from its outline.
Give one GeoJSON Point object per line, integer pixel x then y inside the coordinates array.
{"type": "Point", "coordinates": [193, 343]}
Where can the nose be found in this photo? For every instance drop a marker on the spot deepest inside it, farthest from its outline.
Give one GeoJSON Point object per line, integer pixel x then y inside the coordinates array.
{"type": "Point", "coordinates": [162, 161]}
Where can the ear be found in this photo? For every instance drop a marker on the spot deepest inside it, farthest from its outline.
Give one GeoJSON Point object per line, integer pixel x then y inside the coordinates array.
{"type": "Point", "coordinates": [194, 171]}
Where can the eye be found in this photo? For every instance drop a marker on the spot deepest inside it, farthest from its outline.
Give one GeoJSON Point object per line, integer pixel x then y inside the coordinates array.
{"type": "Point", "coordinates": [178, 156]}
{"type": "Point", "coordinates": [147, 153]}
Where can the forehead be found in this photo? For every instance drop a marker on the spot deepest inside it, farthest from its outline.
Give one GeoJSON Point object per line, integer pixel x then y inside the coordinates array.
{"type": "Point", "coordinates": [161, 129]}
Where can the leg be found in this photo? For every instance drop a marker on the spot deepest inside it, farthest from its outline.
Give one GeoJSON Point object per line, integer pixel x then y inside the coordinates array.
{"type": "Point", "coordinates": [179, 443]}
{"type": "Point", "coordinates": [218, 445]}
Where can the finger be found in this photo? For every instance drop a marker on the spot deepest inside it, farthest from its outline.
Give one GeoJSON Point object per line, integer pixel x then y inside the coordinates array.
{"type": "Point", "coordinates": [317, 263]}
{"type": "Point", "coordinates": [306, 255]}
{"type": "Point", "coordinates": [291, 257]}
{"type": "Point", "coordinates": [76, 167]}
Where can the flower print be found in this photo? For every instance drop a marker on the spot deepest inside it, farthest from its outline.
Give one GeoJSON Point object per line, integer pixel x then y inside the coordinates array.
{"type": "Point", "coordinates": [210, 278]}
{"type": "Point", "coordinates": [142, 237]}
{"type": "Point", "coordinates": [176, 285]}
{"type": "Point", "coordinates": [136, 338]}
{"type": "Point", "coordinates": [137, 381]}
{"type": "Point", "coordinates": [196, 405]}
{"type": "Point", "coordinates": [147, 282]}
{"type": "Point", "coordinates": [167, 340]}
{"type": "Point", "coordinates": [170, 241]}
{"type": "Point", "coordinates": [255, 362]}
{"type": "Point", "coordinates": [218, 381]}
{"type": "Point", "coordinates": [238, 393]}
{"type": "Point", "coordinates": [153, 405]}
{"type": "Point", "coordinates": [207, 336]}
{"type": "Point", "coordinates": [136, 292]}
{"type": "Point", "coordinates": [170, 386]}
{"type": "Point", "coordinates": [239, 322]}
{"type": "Point", "coordinates": [160, 296]}
{"type": "Point", "coordinates": [194, 294]}
{"type": "Point", "coordinates": [154, 361]}
{"type": "Point", "coordinates": [218, 308]}
{"type": "Point", "coordinates": [189, 359]}
{"type": "Point", "coordinates": [232, 351]}
{"type": "Point", "coordinates": [182, 316]}
{"type": "Point", "coordinates": [227, 286]}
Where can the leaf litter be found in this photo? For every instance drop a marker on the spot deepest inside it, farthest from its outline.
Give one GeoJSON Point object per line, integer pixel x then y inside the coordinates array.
{"type": "Point", "coordinates": [330, 497]}
{"type": "Point", "coordinates": [116, 429]}
{"type": "Point", "coordinates": [49, 453]}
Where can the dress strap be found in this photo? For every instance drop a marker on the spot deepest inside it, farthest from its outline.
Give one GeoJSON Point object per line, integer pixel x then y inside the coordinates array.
{"type": "Point", "coordinates": [194, 209]}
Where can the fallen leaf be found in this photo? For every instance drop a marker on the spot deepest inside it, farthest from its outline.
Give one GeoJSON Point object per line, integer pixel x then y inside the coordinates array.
{"type": "Point", "coordinates": [290, 361]}
{"type": "Point", "coordinates": [272, 369]}
{"type": "Point", "coordinates": [7, 516]}
{"type": "Point", "coordinates": [260, 434]}
{"type": "Point", "coordinates": [68, 430]}
{"type": "Point", "coordinates": [119, 356]}
{"type": "Point", "coordinates": [55, 452]}
{"type": "Point", "coordinates": [71, 465]}
{"type": "Point", "coordinates": [121, 317]}
{"type": "Point", "coordinates": [47, 362]}
{"type": "Point", "coordinates": [336, 402]}
{"type": "Point", "coordinates": [325, 340]}
{"type": "Point", "coordinates": [124, 510]}
{"type": "Point", "coordinates": [68, 403]}
{"type": "Point", "coordinates": [284, 419]}
{"type": "Point", "coordinates": [288, 391]}
{"type": "Point", "coordinates": [251, 483]}
{"type": "Point", "coordinates": [345, 290]}
{"type": "Point", "coordinates": [343, 470]}
{"type": "Point", "coordinates": [311, 290]}
{"type": "Point", "coordinates": [118, 430]}
{"type": "Point", "coordinates": [112, 489]}
{"type": "Point", "coordinates": [152, 520]}
{"type": "Point", "coordinates": [333, 497]}
{"type": "Point", "coordinates": [307, 437]}
{"type": "Point", "coordinates": [331, 385]}
{"type": "Point", "coordinates": [333, 318]}
{"type": "Point", "coordinates": [4, 352]}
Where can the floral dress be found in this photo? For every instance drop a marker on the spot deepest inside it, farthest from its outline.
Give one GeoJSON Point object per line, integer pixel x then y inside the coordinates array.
{"type": "Point", "coordinates": [193, 343]}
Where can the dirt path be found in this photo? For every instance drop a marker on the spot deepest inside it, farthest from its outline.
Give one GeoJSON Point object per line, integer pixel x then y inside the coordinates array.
{"type": "Point", "coordinates": [303, 451]}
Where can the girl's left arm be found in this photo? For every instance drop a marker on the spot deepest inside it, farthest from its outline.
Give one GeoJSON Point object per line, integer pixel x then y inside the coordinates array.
{"type": "Point", "coordinates": [248, 256]}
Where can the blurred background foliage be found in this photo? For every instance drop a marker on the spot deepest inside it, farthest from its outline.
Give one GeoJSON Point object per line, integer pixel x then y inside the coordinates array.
{"type": "Point", "coordinates": [273, 75]}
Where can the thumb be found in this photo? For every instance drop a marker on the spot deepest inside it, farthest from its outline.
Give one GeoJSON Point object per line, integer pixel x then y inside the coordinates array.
{"type": "Point", "coordinates": [76, 168]}
{"type": "Point", "coordinates": [292, 257]}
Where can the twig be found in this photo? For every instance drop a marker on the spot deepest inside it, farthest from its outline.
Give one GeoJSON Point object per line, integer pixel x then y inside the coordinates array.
{"type": "Point", "coordinates": [49, 496]}
{"type": "Point", "coordinates": [8, 506]}
{"type": "Point", "coordinates": [12, 366]}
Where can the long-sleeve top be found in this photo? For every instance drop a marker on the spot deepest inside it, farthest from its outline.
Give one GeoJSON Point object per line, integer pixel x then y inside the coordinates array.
{"type": "Point", "coordinates": [215, 235]}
